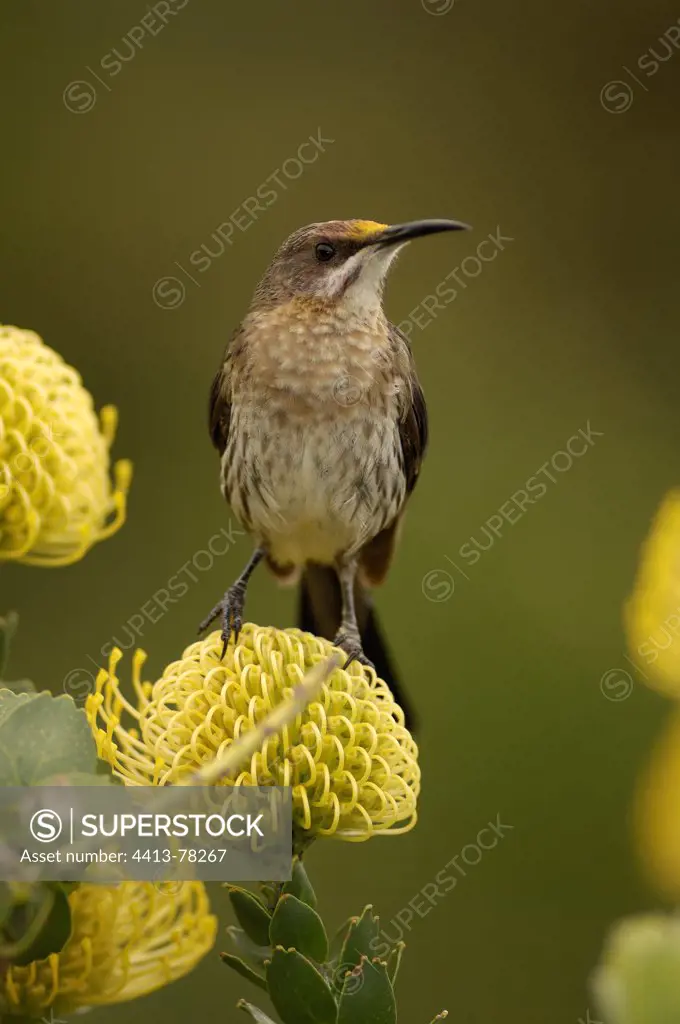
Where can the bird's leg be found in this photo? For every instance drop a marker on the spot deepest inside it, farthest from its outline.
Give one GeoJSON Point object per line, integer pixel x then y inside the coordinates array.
{"type": "Point", "coordinates": [348, 637]}
{"type": "Point", "coordinates": [232, 604]}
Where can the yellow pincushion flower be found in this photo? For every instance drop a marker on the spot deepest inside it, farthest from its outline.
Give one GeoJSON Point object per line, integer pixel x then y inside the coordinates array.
{"type": "Point", "coordinates": [348, 757]}
{"type": "Point", "coordinates": [653, 612]}
{"type": "Point", "coordinates": [657, 812]}
{"type": "Point", "coordinates": [127, 940]}
{"type": "Point", "coordinates": [56, 498]}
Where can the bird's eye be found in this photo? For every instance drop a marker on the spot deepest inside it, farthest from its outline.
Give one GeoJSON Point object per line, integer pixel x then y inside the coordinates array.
{"type": "Point", "coordinates": [324, 252]}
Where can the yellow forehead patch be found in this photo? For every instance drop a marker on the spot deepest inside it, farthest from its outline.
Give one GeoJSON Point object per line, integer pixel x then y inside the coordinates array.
{"type": "Point", "coordinates": [364, 228]}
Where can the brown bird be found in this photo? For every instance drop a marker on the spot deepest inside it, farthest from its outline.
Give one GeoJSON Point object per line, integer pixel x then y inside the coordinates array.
{"type": "Point", "coordinates": [321, 426]}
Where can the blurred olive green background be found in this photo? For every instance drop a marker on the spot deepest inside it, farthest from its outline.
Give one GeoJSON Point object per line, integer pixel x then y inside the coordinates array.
{"type": "Point", "coordinates": [490, 113]}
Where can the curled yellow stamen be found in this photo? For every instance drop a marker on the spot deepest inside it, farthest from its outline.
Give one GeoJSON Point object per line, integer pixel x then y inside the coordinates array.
{"type": "Point", "coordinates": [351, 765]}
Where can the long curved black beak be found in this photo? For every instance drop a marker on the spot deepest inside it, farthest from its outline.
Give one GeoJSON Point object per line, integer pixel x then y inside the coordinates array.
{"type": "Point", "coordinates": [398, 233]}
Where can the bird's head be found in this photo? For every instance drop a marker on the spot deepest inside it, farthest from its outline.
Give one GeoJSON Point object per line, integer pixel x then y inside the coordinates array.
{"type": "Point", "coordinates": [341, 263]}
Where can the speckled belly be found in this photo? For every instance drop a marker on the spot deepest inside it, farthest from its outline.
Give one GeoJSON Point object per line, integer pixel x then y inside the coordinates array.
{"type": "Point", "coordinates": [316, 491]}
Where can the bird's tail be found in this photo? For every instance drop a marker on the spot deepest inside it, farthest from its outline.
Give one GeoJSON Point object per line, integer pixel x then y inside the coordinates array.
{"type": "Point", "coordinates": [320, 611]}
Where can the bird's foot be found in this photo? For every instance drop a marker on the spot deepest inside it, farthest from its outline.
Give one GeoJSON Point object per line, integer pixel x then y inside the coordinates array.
{"type": "Point", "coordinates": [230, 610]}
{"type": "Point", "coordinates": [350, 643]}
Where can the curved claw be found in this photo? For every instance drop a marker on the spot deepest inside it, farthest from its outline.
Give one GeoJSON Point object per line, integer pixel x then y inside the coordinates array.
{"type": "Point", "coordinates": [231, 610]}
{"type": "Point", "coordinates": [351, 645]}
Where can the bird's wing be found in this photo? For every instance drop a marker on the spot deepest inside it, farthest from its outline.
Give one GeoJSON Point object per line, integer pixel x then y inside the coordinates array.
{"type": "Point", "coordinates": [219, 405]}
{"type": "Point", "coordinates": [376, 555]}
{"type": "Point", "coordinates": [413, 413]}
{"type": "Point", "coordinates": [219, 413]}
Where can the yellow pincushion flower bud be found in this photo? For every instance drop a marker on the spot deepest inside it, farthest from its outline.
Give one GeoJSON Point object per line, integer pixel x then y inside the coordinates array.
{"type": "Point", "coordinates": [127, 940]}
{"type": "Point", "coordinates": [56, 498]}
{"type": "Point", "coordinates": [653, 612]}
{"type": "Point", "coordinates": [348, 757]}
{"type": "Point", "coordinates": [638, 980]}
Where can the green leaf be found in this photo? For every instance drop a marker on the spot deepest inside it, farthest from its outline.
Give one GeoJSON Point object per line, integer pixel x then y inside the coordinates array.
{"type": "Point", "coordinates": [295, 924]}
{"type": "Point", "coordinates": [300, 886]}
{"type": "Point", "coordinates": [394, 961]}
{"type": "Point", "coordinates": [338, 940]}
{"type": "Point", "coordinates": [19, 685]}
{"type": "Point", "coordinates": [297, 990]}
{"type": "Point", "coordinates": [241, 968]}
{"type": "Point", "coordinates": [254, 1012]}
{"type": "Point", "coordinates": [37, 927]}
{"type": "Point", "coordinates": [363, 932]}
{"type": "Point", "coordinates": [9, 702]}
{"type": "Point", "coordinates": [247, 948]}
{"type": "Point", "coordinates": [367, 997]}
{"type": "Point", "coordinates": [252, 915]}
{"type": "Point", "coordinates": [269, 894]}
{"type": "Point", "coordinates": [8, 627]}
{"type": "Point", "coordinates": [42, 736]}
